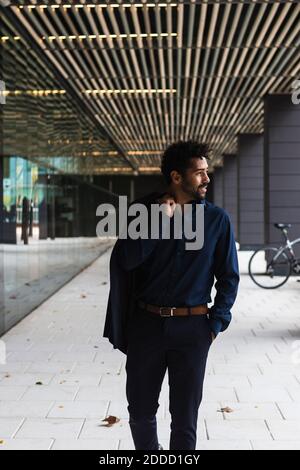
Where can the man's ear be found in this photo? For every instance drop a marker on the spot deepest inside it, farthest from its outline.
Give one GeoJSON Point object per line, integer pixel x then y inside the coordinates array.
{"type": "Point", "coordinates": [176, 177]}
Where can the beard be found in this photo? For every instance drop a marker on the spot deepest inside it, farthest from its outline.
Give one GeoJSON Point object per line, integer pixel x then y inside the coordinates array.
{"type": "Point", "coordinates": [194, 192]}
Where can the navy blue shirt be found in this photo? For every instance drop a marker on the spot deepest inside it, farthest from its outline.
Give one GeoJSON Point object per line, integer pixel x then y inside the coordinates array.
{"type": "Point", "coordinates": [169, 275]}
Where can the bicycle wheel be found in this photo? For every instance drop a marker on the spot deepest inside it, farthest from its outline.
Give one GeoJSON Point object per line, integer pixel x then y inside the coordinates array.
{"type": "Point", "coordinates": [268, 269]}
{"type": "Point", "coordinates": [295, 257]}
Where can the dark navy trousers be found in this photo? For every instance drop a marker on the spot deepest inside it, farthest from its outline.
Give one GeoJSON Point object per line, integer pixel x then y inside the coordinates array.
{"type": "Point", "coordinates": [157, 344]}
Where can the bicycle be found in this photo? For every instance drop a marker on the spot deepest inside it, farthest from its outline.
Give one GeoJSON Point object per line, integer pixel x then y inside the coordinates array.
{"type": "Point", "coordinates": [270, 267]}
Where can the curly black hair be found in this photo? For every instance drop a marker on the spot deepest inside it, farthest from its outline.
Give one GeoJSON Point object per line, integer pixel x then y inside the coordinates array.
{"type": "Point", "coordinates": [177, 156]}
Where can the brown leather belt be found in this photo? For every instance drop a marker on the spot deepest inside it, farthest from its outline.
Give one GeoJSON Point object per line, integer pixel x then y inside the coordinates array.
{"type": "Point", "coordinates": [174, 311]}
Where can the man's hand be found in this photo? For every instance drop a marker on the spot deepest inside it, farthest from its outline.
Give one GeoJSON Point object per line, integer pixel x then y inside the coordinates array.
{"type": "Point", "coordinates": [170, 204]}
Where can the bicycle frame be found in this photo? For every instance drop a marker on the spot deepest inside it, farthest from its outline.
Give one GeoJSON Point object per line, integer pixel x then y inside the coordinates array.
{"type": "Point", "coordinates": [287, 247]}
{"type": "Point", "coordinates": [281, 261]}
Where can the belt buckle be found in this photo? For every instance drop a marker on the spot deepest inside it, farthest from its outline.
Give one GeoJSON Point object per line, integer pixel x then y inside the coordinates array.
{"type": "Point", "coordinates": [161, 309]}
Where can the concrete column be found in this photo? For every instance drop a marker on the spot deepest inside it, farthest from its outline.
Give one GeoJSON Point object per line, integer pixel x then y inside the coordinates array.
{"type": "Point", "coordinates": [282, 166]}
{"type": "Point", "coordinates": [251, 191]}
{"type": "Point", "coordinates": [230, 189]}
{"type": "Point", "coordinates": [218, 187]}
{"type": "Point", "coordinates": [210, 188]}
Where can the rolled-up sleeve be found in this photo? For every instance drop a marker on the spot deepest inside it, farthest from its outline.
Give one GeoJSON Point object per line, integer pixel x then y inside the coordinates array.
{"type": "Point", "coordinates": [226, 272]}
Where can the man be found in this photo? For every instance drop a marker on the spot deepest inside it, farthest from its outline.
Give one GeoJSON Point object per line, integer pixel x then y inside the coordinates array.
{"type": "Point", "coordinates": [164, 323]}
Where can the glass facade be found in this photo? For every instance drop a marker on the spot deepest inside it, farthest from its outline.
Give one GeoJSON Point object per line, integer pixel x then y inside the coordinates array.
{"type": "Point", "coordinates": [32, 275]}
{"type": "Point", "coordinates": [47, 219]}
{"type": "Point", "coordinates": [48, 229]}
{"type": "Point", "coordinates": [42, 244]}
{"type": "Point", "coordinates": [57, 164]}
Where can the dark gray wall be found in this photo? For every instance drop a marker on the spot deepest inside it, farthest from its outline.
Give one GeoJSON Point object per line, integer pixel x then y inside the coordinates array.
{"type": "Point", "coordinates": [218, 187]}
{"type": "Point", "coordinates": [282, 165]}
{"type": "Point", "coordinates": [230, 189]}
{"type": "Point", "coordinates": [210, 188]}
{"type": "Point", "coordinates": [251, 190]}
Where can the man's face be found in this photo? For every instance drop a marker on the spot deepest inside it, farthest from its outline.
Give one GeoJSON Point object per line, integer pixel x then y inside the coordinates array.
{"type": "Point", "coordinates": [195, 179]}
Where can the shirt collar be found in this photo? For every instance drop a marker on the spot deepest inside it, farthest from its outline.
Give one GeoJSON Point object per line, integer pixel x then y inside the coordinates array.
{"type": "Point", "coordinates": [198, 201]}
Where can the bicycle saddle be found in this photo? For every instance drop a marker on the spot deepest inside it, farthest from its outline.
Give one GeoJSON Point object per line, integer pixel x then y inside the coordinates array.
{"type": "Point", "coordinates": [282, 226]}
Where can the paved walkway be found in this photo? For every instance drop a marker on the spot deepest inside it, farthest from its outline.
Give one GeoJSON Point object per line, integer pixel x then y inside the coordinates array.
{"type": "Point", "coordinates": [61, 378]}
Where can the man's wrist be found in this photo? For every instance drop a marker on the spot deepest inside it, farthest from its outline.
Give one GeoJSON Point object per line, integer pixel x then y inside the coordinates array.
{"type": "Point", "coordinates": [215, 326]}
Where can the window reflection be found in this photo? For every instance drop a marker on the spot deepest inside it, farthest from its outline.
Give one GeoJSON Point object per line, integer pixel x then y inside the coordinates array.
{"type": "Point", "coordinates": [42, 247]}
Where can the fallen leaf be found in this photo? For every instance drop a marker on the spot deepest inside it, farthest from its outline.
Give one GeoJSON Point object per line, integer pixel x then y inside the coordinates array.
{"type": "Point", "coordinates": [225, 410]}
{"type": "Point", "coordinates": [110, 421]}
{"type": "Point", "coordinates": [7, 376]}
{"type": "Point", "coordinates": [83, 296]}
{"type": "Point", "coordinates": [39, 383]}
{"type": "Point", "coordinates": [1, 442]}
